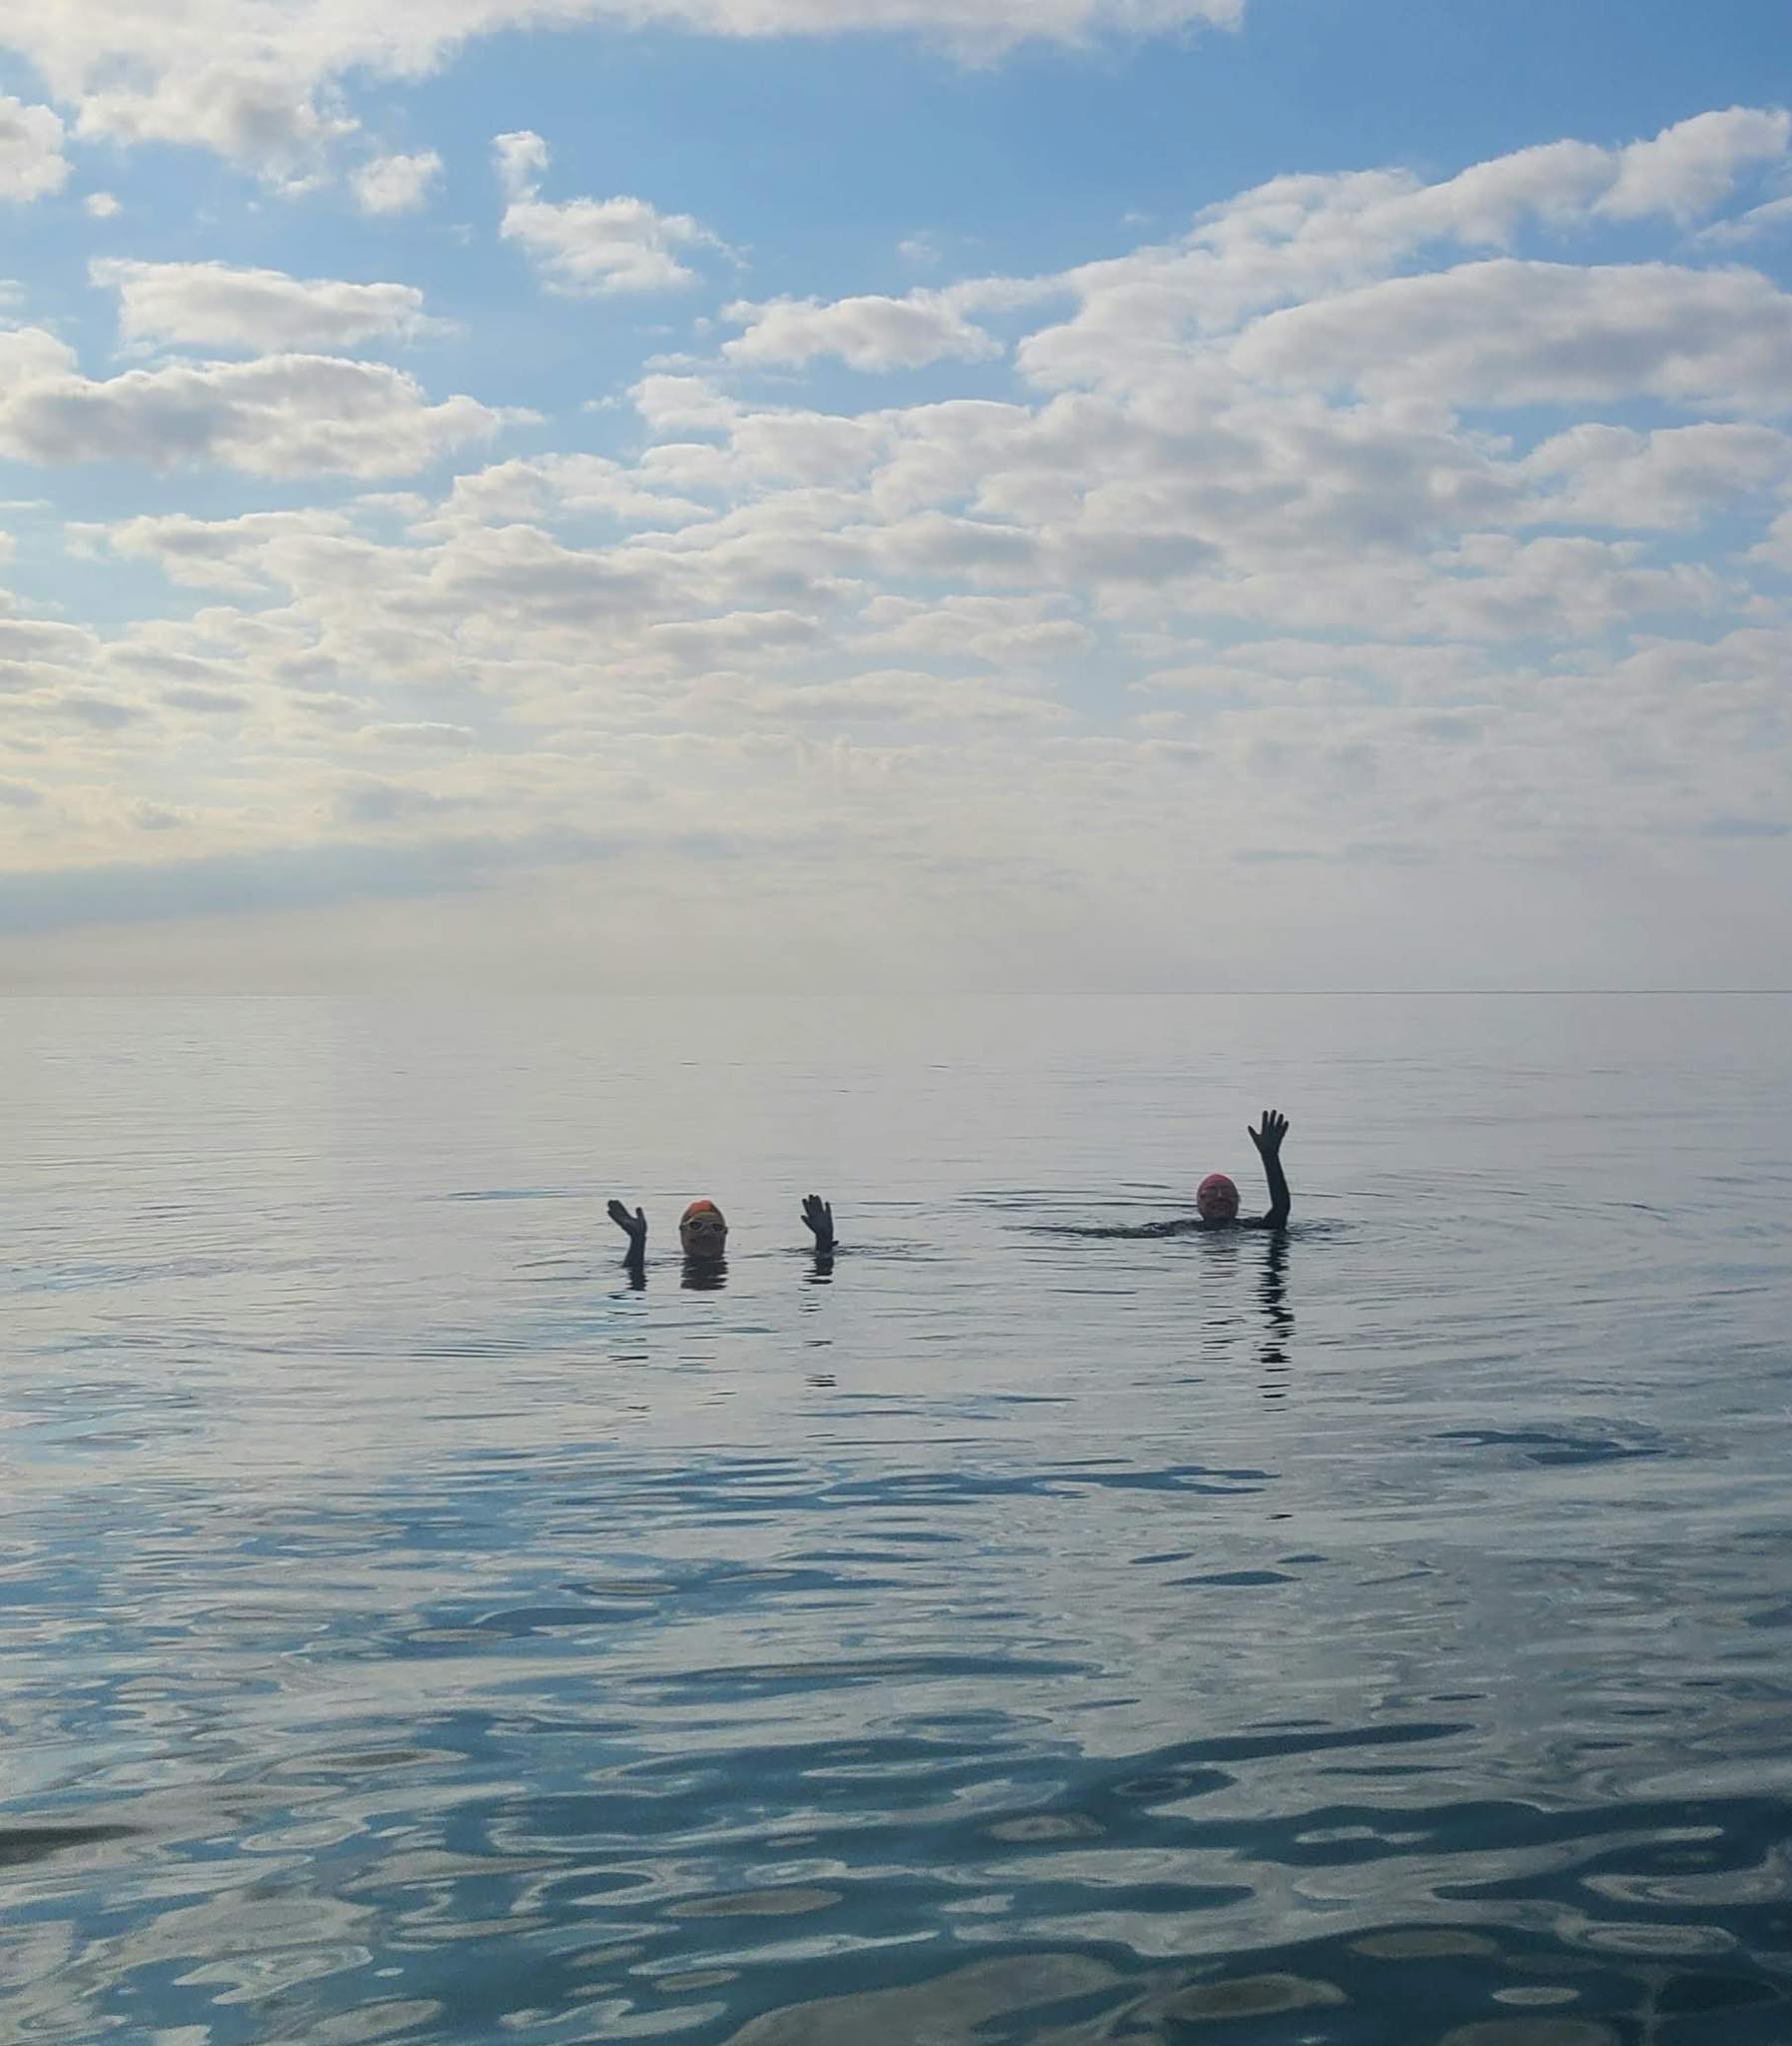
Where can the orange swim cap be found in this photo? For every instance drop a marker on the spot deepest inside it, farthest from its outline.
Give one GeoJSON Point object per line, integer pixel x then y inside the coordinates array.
{"type": "Point", "coordinates": [698, 1208]}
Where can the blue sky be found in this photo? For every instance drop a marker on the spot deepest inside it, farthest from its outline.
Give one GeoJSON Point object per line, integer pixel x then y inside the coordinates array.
{"type": "Point", "coordinates": [1287, 493]}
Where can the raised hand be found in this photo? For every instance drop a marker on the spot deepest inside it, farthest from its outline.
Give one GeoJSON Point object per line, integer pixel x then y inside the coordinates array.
{"type": "Point", "coordinates": [635, 1227]}
{"type": "Point", "coordinates": [819, 1214]}
{"type": "Point", "coordinates": [1269, 1138]}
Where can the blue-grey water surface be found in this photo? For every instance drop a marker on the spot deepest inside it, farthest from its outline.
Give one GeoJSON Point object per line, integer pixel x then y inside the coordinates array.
{"type": "Point", "coordinates": [412, 1631]}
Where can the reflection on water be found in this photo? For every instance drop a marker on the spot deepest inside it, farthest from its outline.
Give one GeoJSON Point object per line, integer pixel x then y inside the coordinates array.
{"type": "Point", "coordinates": [413, 1631]}
{"type": "Point", "coordinates": [1278, 1320]}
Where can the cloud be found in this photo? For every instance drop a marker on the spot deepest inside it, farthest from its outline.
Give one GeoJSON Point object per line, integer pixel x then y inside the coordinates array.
{"type": "Point", "coordinates": [267, 881]}
{"type": "Point", "coordinates": [1669, 479]}
{"type": "Point", "coordinates": [520, 158]}
{"type": "Point", "coordinates": [394, 184]}
{"type": "Point", "coordinates": [260, 85]}
{"type": "Point", "coordinates": [217, 554]}
{"type": "Point", "coordinates": [266, 102]}
{"type": "Point", "coordinates": [32, 165]}
{"type": "Point", "coordinates": [215, 305]}
{"type": "Point", "coordinates": [1302, 239]}
{"type": "Point", "coordinates": [904, 697]}
{"type": "Point", "coordinates": [1688, 169]}
{"type": "Point", "coordinates": [285, 416]}
{"type": "Point", "coordinates": [100, 206]}
{"type": "Point", "coordinates": [1511, 332]}
{"type": "Point", "coordinates": [592, 247]}
{"type": "Point", "coordinates": [1264, 551]}
{"type": "Point", "coordinates": [869, 333]}
{"type": "Point", "coordinates": [1768, 218]}
{"type": "Point", "coordinates": [1775, 548]}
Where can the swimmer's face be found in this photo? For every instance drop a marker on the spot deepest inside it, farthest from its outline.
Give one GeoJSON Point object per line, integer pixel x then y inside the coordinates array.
{"type": "Point", "coordinates": [703, 1232]}
{"type": "Point", "coordinates": [1217, 1199]}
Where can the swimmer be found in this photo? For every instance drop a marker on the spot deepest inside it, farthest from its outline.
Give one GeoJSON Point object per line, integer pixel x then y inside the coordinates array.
{"type": "Point", "coordinates": [1217, 1196]}
{"type": "Point", "coordinates": [703, 1232]}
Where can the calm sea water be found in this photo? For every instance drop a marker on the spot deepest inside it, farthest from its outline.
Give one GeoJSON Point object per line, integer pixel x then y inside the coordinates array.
{"type": "Point", "coordinates": [409, 1630]}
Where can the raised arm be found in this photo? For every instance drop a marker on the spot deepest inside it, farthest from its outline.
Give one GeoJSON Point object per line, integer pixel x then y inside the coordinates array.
{"type": "Point", "coordinates": [635, 1227]}
{"type": "Point", "coordinates": [1268, 1148]}
{"type": "Point", "coordinates": [819, 1214]}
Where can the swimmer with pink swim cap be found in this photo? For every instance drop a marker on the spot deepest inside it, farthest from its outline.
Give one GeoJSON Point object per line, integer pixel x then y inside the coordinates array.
{"type": "Point", "coordinates": [703, 1235]}
{"type": "Point", "coordinates": [1217, 1196]}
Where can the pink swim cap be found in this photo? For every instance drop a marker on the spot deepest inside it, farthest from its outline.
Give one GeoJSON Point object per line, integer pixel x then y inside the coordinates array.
{"type": "Point", "coordinates": [1217, 1183]}
{"type": "Point", "coordinates": [1217, 1198]}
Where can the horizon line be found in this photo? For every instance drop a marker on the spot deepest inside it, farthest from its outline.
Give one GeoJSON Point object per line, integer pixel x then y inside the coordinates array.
{"type": "Point", "coordinates": [435, 990]}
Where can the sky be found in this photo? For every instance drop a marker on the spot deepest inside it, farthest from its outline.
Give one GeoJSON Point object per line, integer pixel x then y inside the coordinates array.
{"type": "Point", "coordinates": [767, 496]}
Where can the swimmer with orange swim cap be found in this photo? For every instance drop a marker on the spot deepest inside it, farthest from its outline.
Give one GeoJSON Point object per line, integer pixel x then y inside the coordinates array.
{"type": "Point", "coordinates": [703, 1232]}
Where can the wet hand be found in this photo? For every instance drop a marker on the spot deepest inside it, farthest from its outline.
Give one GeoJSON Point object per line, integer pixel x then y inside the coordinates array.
{"type": "Point", "coordinates": [819, 1214]}
{"type": "Point", "coordinates": [635, 1226]}
{"type": "Point", "coordinates": [1269, 1138]}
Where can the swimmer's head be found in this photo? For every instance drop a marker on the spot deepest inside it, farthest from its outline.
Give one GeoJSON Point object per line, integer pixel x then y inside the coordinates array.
{"type": "Point", "coordinates": [702, 1230]}
{"type": "Point", "coordinates": [1217, 1198]}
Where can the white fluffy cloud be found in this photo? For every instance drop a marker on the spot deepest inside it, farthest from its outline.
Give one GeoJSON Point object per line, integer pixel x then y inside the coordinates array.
{"type": "Point", "coordinates": [1690, 168]}
{"type": "Point", "coordinates": [1299, 241]}
{"type": "Point", "coordinates": [284, 415]}
{"type": "Point", "coordinates": [214, 554]}
{"type": "Point", "coordinates": [1261, 555]}
{"type": "Point", "coordinates": [215, 305]}
{"type": "Point", "coordinates": [257, 81]}
{"type": "Point", "coordinates": [1669, 479]}
{"type": "Point", "coordinates": [32, 164]}
{"type": "Point", "coordinates": [396, 184]}
{"type": "Point", "coordinates": [868, 333]}
{"type": "Point", "coordinates": [592, 247]}
{"type": "Point", "coordinates": [1509, 333]}
{"type": "Point", "coordinates": [1774, 216]}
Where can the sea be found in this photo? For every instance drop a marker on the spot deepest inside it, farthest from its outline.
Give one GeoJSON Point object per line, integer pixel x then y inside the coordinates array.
{"type": "Point", "coordinates": [414, 1629]}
